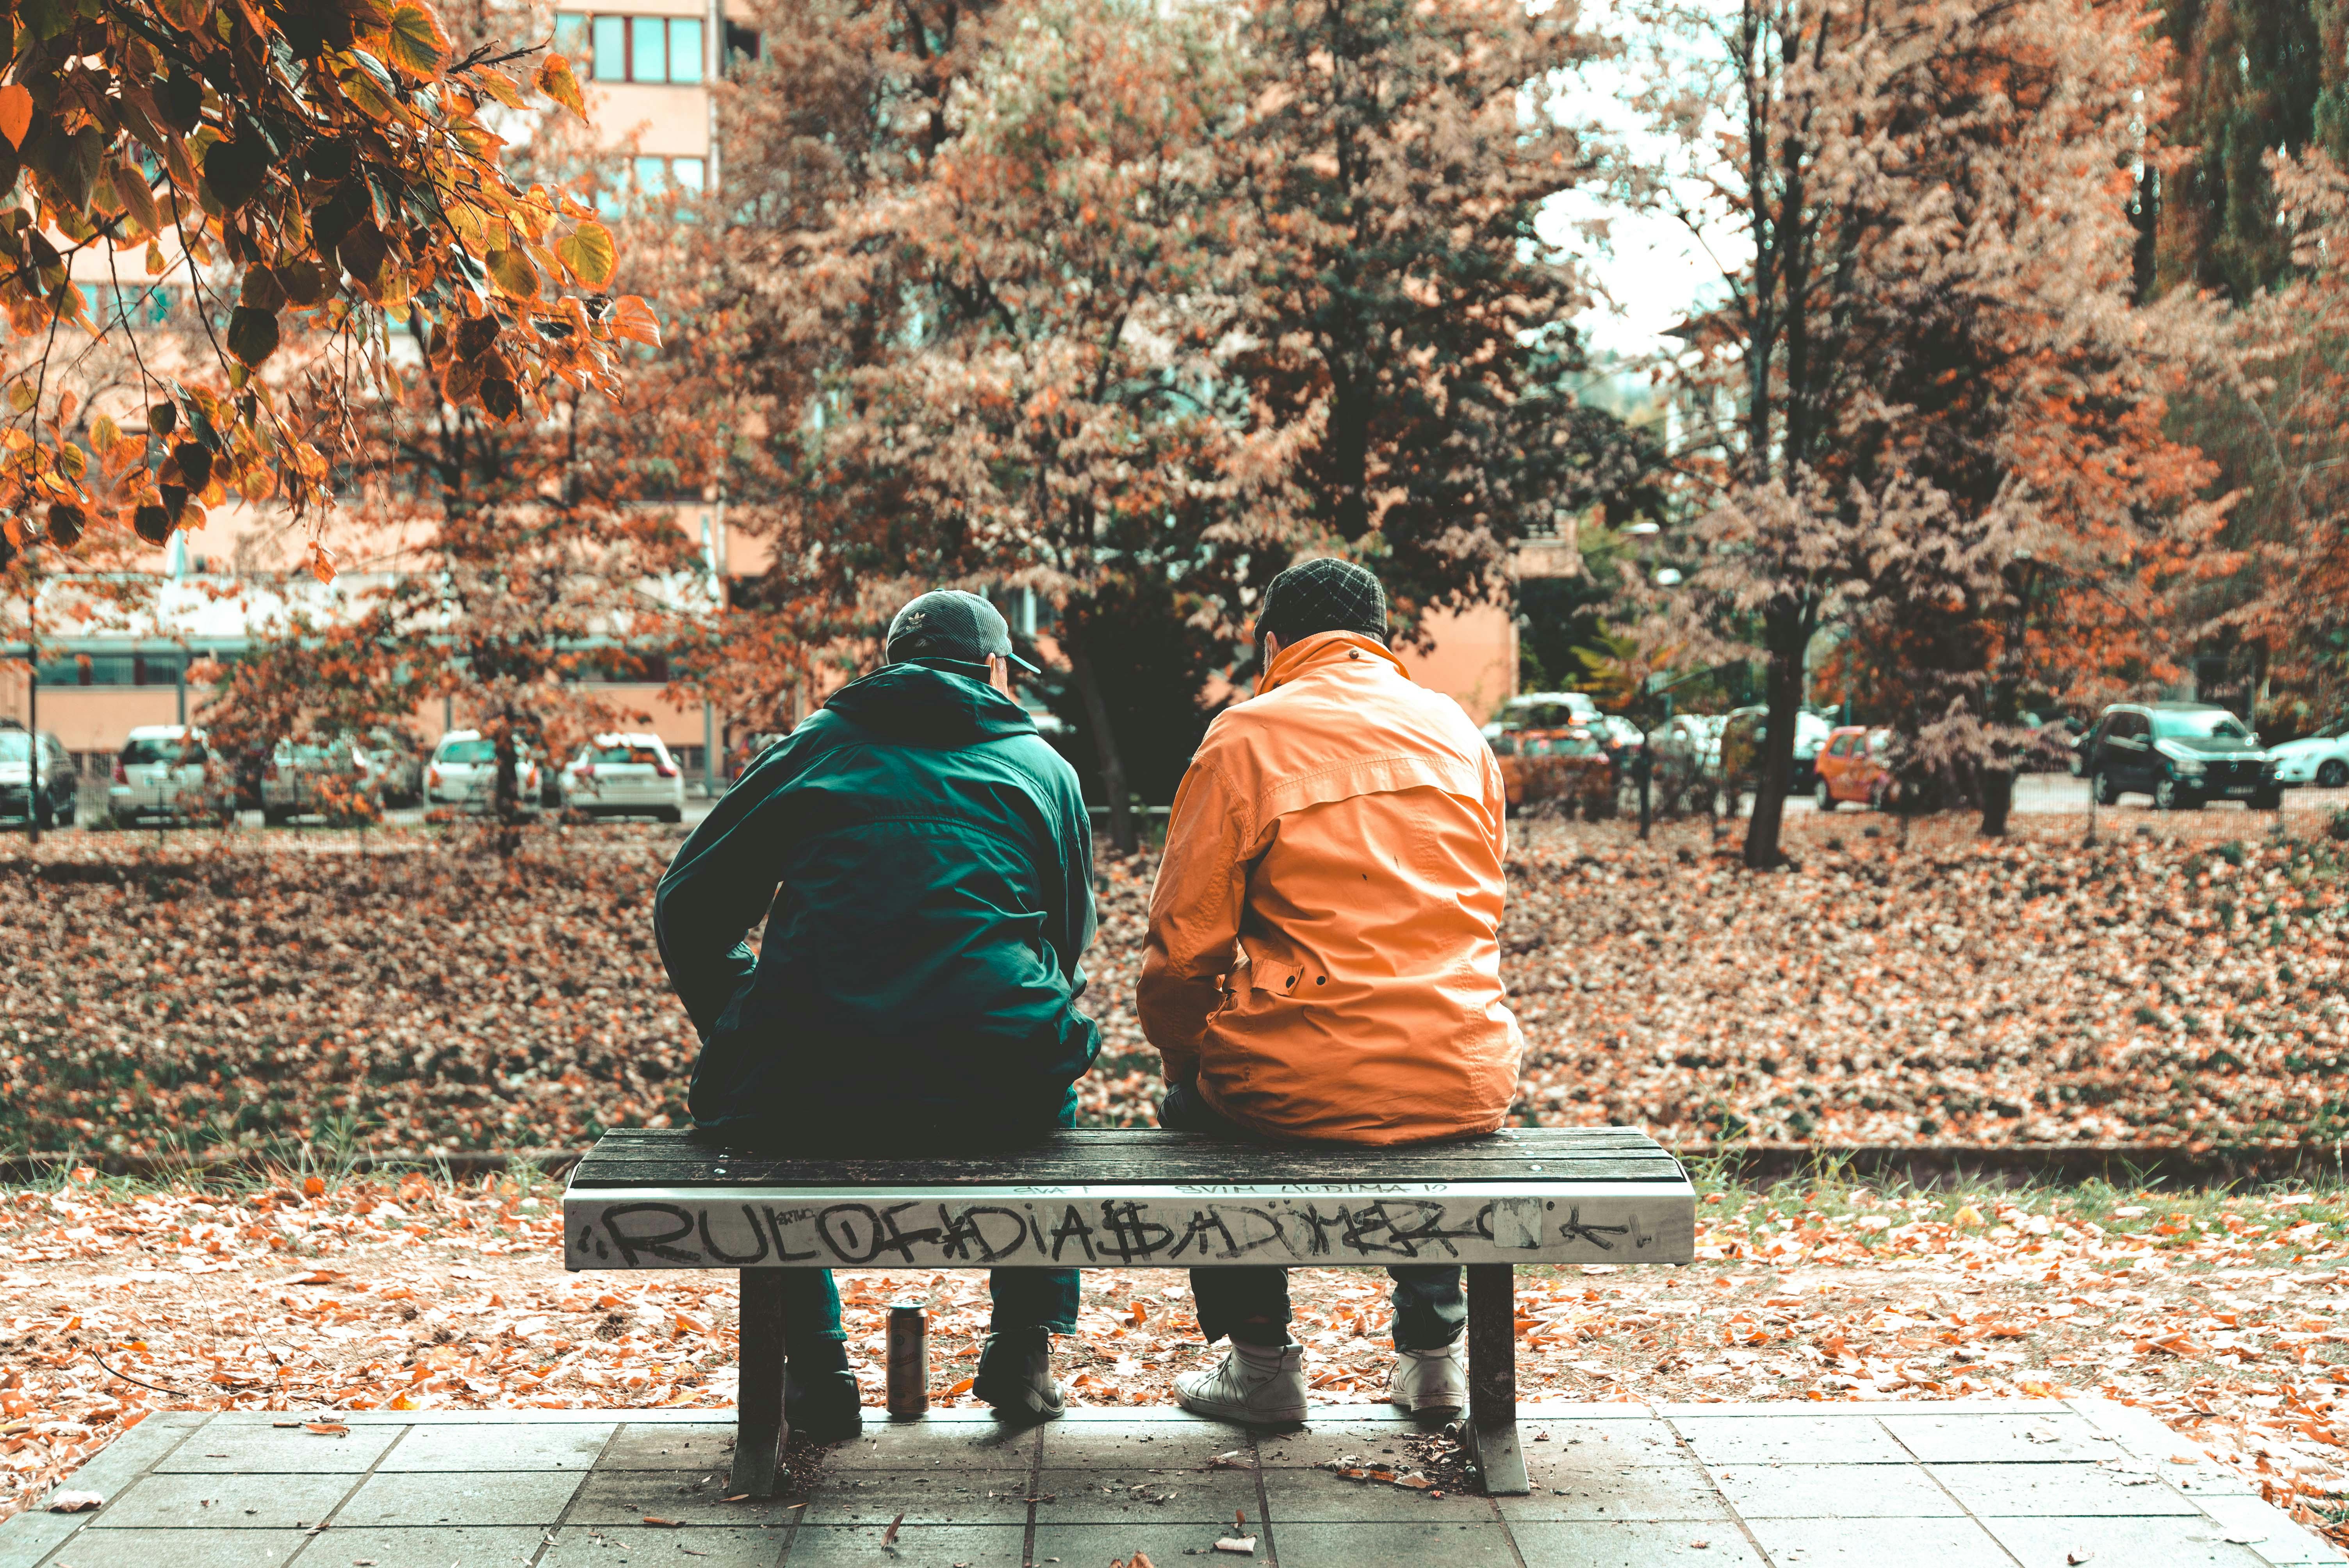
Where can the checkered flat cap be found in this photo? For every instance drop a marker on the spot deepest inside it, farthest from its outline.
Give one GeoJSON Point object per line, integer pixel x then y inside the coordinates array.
{"type": "Point", "coordinates": [1324, 594]}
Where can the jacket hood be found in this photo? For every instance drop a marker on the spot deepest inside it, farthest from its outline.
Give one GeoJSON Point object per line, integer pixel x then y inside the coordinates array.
{"type": "Point", "coordinates": [930, 707]}
{"type": "Point", "coordinates": [1325, 648]}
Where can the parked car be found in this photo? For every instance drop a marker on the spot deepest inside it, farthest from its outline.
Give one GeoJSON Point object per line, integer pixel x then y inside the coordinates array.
{"type": "Point", "coordinates": [618, 774]}
{"type": "Point", "coordinates": [1569, 764]}
{"type": "Point", "coordinates": [162, 771]}
{"type": "Point", "coordinates": [1851, 767]}
{"type": "Point", "coordinates": [393, 769]}
{"type": "Point", "coordinates": [60, 794]}
{"type": "Point", "coordinates": [1694, 735]}
{"type": "Point", "coordinates": [2321, 759]}
{"type": "Point", "coordinates": [1544, 710]}
{"type": "Point", "coordinates": [2182, 754]}
{"type": "Point", "coordinates": [1742, 740]}
{"type": "Point", "coordinates": [463, 773]}
{"type": "Point", "coordinates": [305, 778]}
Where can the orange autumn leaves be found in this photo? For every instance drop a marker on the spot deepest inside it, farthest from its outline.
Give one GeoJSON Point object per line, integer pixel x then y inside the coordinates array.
{"type": "Point", "coordinates": [312, 175]}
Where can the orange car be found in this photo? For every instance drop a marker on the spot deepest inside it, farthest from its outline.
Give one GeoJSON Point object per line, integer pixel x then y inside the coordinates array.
{"type": "Point", "coordinates": [1851, 767]}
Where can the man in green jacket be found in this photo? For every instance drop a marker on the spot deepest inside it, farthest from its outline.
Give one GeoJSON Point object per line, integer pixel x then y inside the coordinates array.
{"type": "Point", "coordinates": [923, 864]}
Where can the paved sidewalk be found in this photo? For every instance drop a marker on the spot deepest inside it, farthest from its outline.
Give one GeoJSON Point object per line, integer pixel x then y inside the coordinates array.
{"type": "Point", "coordinates": [2016, 1485]}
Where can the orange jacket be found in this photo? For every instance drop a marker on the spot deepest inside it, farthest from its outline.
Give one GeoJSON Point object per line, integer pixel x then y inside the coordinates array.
{"type": "Point", "coordinates": [1323, 947]}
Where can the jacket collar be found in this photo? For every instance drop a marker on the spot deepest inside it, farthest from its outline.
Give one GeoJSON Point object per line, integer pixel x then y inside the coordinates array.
{"type": "Point", "coordinates": [1321, 651]}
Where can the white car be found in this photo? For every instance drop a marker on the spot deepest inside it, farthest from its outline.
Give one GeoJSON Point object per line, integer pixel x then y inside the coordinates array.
{"type": "Point", "coordinates": [620, 774]}
{"type": "Point", "coordinates": [1696, 736]}
{"type": "Point", "coordinates": [1544, 710]}
{"type": "Point", "coordinates": [2321, 759]}
{"type": "Point", "coordinates": [463, 773]}
{"type": "Point", "coordinates": [162, 771]}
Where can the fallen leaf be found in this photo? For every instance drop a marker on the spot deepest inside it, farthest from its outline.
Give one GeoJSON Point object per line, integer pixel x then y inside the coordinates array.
{"type": "Point", "coordinates": [75, 1502]}
{"type": "Point", "coordinates": [2076, 1558]}
{"type": "Point", "coordinates": [889, 1536]}
{"type": "Point", "coordinates": [656, 1518]}
{"type": "Point", "coordinates": [326, 1429]}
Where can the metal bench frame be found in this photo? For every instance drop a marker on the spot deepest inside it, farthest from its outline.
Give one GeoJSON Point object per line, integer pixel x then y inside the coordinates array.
{"type": "Point", "coordinates": [1133, 1199]}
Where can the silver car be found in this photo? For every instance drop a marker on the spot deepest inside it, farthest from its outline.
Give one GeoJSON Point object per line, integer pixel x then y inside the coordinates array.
{"type": "Point", "coordinates": [162, 771]}
{"type": "Point", "coordinates": [617, 775]}
{"type": "Point", "coordinates": [463, 773]}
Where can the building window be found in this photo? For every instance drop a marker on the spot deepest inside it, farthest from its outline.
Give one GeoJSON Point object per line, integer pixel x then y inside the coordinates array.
{"type": "Point", "coordinates": [653, 177]}
{"type": "Point", "coordinates": [634, 48]}
{"type": "Point", "coordinates": [741, 43]}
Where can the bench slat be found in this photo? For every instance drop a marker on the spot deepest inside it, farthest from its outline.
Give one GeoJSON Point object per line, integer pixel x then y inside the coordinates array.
{"type": "Point", "coordinates": [1136, 1227]}
{"type": "Point", "coordinates": [1130, 1197]}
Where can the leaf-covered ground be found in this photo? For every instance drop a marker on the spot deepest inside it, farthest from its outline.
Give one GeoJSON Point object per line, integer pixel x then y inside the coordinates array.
{"type": "Point", "coordinates": [2179, 987]}
{"type": "Point", "coordinates": [2226, 1316]}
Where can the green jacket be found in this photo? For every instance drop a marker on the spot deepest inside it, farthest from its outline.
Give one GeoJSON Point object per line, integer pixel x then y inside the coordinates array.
{"type": "Point", "coordinates": [923, 864]}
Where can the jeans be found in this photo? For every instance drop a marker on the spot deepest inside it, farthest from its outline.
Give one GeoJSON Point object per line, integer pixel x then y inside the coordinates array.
{"type": "Point", "coordinates": [1252, 1303]}
{"type": "Point", "coordinates": [1032, 1300]}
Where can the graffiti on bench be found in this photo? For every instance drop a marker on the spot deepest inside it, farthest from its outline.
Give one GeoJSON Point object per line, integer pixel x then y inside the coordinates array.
{"type": "Point", "coordinates": [753, 1230]}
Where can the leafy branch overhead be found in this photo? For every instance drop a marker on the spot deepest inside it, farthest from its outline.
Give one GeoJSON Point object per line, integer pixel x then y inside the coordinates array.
{"type": "Point", "coordinates": [304, 171]}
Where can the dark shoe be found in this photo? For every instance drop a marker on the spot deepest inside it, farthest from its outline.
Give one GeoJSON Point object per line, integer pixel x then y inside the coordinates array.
{"type": "Point", "coordinates": [1015, 1376]}
{"type": "Point", "coordinates": [820, 1399]}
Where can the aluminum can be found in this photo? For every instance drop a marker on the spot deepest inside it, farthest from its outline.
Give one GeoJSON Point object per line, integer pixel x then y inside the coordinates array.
{"type": "Point", "coordinates": [909, 1359]}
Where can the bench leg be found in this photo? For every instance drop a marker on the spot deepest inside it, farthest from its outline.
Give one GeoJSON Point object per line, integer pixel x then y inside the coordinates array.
{"type": "Point", "coordinates": [760, 1429]}
{"type": "Point", "coordinates": [1492, 1425]}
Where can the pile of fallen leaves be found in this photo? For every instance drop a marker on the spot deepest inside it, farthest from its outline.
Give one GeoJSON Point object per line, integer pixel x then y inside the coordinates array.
{"type": "Point", "coordinates": [1932, 987]}
{"type": "Point", "coordinates": [2225, 1316]}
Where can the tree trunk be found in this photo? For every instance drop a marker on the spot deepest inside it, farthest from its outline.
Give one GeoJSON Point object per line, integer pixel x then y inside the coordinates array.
{"type": "Point", "coordinates": [1788, 638]}
{"type": "Point", "coordinates": [1998, 799]}
{"type": "Point", "coordinates": [509, 791]}
{"type": "Point", "coordinates": [1105, 749]}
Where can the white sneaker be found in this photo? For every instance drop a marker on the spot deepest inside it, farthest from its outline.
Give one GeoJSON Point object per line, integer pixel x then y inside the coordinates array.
{"type": "Point", "coordinates": [1433, 1383]}
{"type": "Point", "coordinates": [1260, 1385]}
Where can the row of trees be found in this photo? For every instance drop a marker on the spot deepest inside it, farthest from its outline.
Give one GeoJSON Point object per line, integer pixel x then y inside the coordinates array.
{"type": "Point", "coordinates": [1131, 305]}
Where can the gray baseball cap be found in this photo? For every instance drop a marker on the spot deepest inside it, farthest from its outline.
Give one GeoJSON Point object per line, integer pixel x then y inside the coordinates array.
{"type": "Point", "coordinates": [951, 624]}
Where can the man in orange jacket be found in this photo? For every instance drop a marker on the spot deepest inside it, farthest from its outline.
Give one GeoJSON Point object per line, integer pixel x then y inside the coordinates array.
{"type": "Point", "coordinates": [1324, 960]}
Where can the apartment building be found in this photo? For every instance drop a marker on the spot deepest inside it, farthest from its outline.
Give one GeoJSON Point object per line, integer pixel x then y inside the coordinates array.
{"type": "Point", "coordinates": [646, 71]}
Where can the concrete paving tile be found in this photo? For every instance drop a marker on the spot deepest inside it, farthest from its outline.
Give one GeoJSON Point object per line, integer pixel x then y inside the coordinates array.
{"type": "Point", "coordinates": [659, 1446]}
{"type": "Point", "coordinates": [1098, 1445]}
{"type": "Point", "coordinates": [2178, 1542]}
{"type": "Point", "coordinates": [136, 1451]}
{"type": "Point", "coordinates": [498, 1448]}
{"type": "Point", "coordinates": [1319, 1497]}
{"type": "Point", "coordinates": [945, 1497]}
{"type": "Point", "coordinates": [223, 1502]}
{"type": "Point", "coordinates": [29, 1536]}
{"type": "Point", "coordinates": [1875, 1542]}
{"type": "Point", "coordinates": [1599, 1492]}
{"type": "Point", "coordinates": [2266, 1529]}
{"type": "Point", "coordinates": [592, 1546]}
{"type": "Point", "coordinates": [945, 1445]}
{"type": "Point", "coordinates": [924, 1546]}
{"type": "Point", "coordinates": [1834, 1492]}
{"type": "Point", "coordinates": [1951, 1435]}
{"type": "Point", "coordinates": [1111, 1496]}
{"type": "Point", "coordinates": [226, 1449]}
{"type": "Point", "coordinates": [181, 1549]}
{"type": "Point", "coordinates": [1646, 1543]}
{"type": "Point", "coordinates": [1163, 1540]}
{"type": "Point", "coordinates": [1586, 1410]}
{"type": "Point", "coordinates": [1294, 1447]}
{"type": "Point", "coordinates": [1479, 1543]}
{"type": "Point", "coordinates": [515, 1416]}
{"type": "Point", "coordinates": [493, 1497]}
{"type": "Point", "coordinates": [2058, 1488]}
{"type": "Point", "coordinates": [430, 1546]}
{"type": "Point", "coordinates": [1578, 1443]}
{"type": "Point", "coordinates": [1722, 1439]}
{"type": "Point", "coordinates": [698, 1498]}
{"type": "Point", "coordinates": [2134, 1430]}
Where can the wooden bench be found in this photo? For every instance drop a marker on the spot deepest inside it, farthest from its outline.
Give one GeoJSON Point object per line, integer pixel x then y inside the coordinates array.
{"type": "Point", "coordinates": [1133, 1199]}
